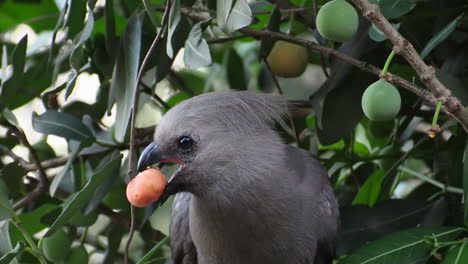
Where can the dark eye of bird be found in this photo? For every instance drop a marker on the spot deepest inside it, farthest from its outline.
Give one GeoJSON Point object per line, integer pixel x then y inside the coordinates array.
{"type": "Point", "coordinates": [185, 142]}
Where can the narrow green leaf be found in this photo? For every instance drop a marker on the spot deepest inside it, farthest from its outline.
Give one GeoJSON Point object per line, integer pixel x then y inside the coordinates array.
{"type": "Point", "coordinates": [66, 168]}
{"type": "Point", "coordinates": [84, 195]}
{"type": "Point", "coordinates": [76, 56]}
{"type": "Point", "coordinates": [174, 19]}
{"type": "Point", "coordinates": [114, 237]}
{"type": "Point", "coordinates": [396, 8]}
{"type": "Point", "coordinates": [4, 67]}
{"type": "Point", "coordinates": [457, 254]}
{"type": "Point", "coordinates": [125, 74]}
{"type": "Point", "coordinates": [370, 191]}
{"type": "Point", "coordinates": [274, 26]}
{"type": "Point", "coordinates": [197, 53]}
{"type": "Point", "coordinates": [235, 70]}
{"type": "Point", "coordinates": [240, 16]}
{"type": "Point", "coordinates": [223, 8]}
{"type": "Point", "coordinates": [60, 124]}
{"type": "Point", "coordinates": [5, 205]}
{"type": "Point", "coordinates": [151, 11]}
{"type": "Point", "coordinates": [153, 251]}
{"type": "Point", "coordinates": [111, 38]}
{"type": "Point", "coordinates": [8, 257]}
{"type": "Point", "coordinates": [76, 14]}
{"type": "Point", "coordinates": [440, 37]}
{"type": "Point", "coordinates": [402, 247]}
{"type": "Point", "coordinates": [465, 182]}
{"type": "Point", "coordinates": [5, 241]}
{"type": "Point", "coordinates": [10, 117]}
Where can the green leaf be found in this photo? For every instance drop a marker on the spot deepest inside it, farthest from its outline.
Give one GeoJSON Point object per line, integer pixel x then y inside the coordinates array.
{"type": "Point", "coordinates": [114, 237]}
{"type": "Point", "coordinates": [395, 8]}
{"type": "Point", "coordinates": [5, 205]}
{"type": "Point", "coordinates": [457, 254]}
{"type": "Point", "coordinates": [12, 174]}
{"type": "Point", "coordinates": [76, 16]}
{"type": "Point", "coordinates": [402, 247]}
{"type": "Point", "coordinates": [111, 39]}
{"type": "Point", "coordinates": [223, 8]}
{"type": "Point", "coordinates": [235, 70]}
{"type": "Point", "coordinates": [11, 86]}
{"type": "Point", "coordinates": [153, 251]}
{"type": "Point", "coordinates": [240, 16]}
{"type": "Point", "coordinates": [125, 74]}
{"type": "Point", "coordinates": [81, 198]}
{"type": "Point", "coordinates": [465, 182]}
{"type": "Point", "coordinates": [370, 191]}
{"type": "Point", "coordinates": [273, 25]}
{"type": "Point", "coordinates": [197, 53]}
{"type": "Point", "coordinates": [13, 13]}
{"type": "Point", "coordinates": [377, 35]}
{"type": "Point", "coordinates": [4, 67]}
{"type": "Point", "coordinates": [5, 240]}
{"type": "Point", "coordinates": [440, 37]}
{"type": "Point", "coordinates": [10, 117]}
{"type": "Point", "coordinates": [174, 19]}
{"type": "Point", "coordinates": [67, 167]}
{"type": "Point", "coordinates": [76, 57]}
{"type": "Point", "coordinates": [8, 257]}
{"type": "Point", "coordinates": [151, 11]}
{"type": "Point", "coordinates": [60, 124]}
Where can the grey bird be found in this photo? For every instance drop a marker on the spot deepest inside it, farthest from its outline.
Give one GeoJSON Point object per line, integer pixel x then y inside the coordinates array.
{"type": "Point", "coordinates": [243, 195]}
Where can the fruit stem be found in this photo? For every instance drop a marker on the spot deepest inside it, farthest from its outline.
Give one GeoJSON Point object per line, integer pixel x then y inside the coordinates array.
{"type": "Point", "coordinates": [387, 63]}
{"type": "Point", "coordinates": [436, 113]}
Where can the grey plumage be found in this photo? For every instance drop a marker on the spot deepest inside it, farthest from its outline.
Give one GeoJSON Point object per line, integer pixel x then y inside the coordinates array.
{"type": "Point", "coordinates": [244, 196]}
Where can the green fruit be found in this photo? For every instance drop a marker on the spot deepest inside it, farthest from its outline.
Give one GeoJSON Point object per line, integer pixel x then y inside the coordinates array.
{"type": "Point", "coordinates": [381, 101]}
{"type": "Point", "coordinates": [287, 59]}
{"type": "Point", "coordinates": [337, 20]}
{"type": "Point", "coordinates": [78, 255]}
{"type": "Point", "coordinates": [84, 220]}
{"type": "Point", "coordinates": [56, 246]}
{"type": "Point", "coordinates": [379, 130]}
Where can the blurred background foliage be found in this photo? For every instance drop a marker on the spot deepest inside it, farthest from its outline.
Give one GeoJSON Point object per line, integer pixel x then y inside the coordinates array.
{"type": "Point", "coordinates": [68, 71]}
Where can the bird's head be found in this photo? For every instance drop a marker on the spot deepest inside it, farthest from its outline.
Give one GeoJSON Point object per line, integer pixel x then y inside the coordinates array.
{"type": "Point", "coordinates": [211, 135]}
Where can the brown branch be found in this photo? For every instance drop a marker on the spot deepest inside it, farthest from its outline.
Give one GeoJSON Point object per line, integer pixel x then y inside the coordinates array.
{"type": "Point", "coordinates": [403, 47]}
{"type": "Point", "coordinates": [13, 156]}
{"type": "Point", "coordinates": [43, 181]}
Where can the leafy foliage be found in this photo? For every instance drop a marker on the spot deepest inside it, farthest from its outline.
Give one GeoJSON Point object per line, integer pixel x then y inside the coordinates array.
{"type": "Point", "coordinates": [69, 71]}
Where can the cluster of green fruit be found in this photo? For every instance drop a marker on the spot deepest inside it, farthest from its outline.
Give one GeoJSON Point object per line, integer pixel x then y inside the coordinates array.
{"type": "Point", "coordinates": [336, 20]}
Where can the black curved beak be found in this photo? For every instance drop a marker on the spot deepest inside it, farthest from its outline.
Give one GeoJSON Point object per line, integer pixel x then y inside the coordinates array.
{"type": "Point", "coordinates": [153, 154]}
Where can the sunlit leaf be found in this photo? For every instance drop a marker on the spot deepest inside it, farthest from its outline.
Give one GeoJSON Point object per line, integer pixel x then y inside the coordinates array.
{"type": "Point", "coordinates": [9, 256]}
{"type": "Point", "coordinates": [369, 192]}
{"type": "Point", "coordinates": [223, 8]}
{"type": "Point", "coordinates": [197, 53]}
{"type": "Point", "coordinates": [240, 16]}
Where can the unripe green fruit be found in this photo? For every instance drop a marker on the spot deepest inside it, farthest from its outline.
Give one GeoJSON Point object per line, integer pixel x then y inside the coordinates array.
{"type": "Point", "coordinates": [56, 246]}
{"type": "Point", "coordinates": [381, 101]}
{"type": "Point", "coordinates": [287, 59]}
{"type": "Point", "coordinates": [337, 20]}
{"type": "Point", "coordinates": [78, 255]}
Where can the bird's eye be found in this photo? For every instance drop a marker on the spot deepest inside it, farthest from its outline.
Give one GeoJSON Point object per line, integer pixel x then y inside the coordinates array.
{"type": "Point", "coordinates": [185, 142]}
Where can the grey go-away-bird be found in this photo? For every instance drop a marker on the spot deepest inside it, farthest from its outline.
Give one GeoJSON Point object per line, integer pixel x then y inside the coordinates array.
{"type": "Point", "coordinates": [243, 195]}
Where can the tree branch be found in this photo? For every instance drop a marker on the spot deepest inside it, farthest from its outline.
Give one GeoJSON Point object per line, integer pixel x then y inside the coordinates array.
{"type": "Point", "coordinates": [403, 47]}
{"type": "Point", "coordinates": [43, 181]}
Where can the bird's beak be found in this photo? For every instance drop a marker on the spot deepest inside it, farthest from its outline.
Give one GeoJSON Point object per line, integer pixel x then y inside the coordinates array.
{"type": "Point", "coordinates": [153, 154]}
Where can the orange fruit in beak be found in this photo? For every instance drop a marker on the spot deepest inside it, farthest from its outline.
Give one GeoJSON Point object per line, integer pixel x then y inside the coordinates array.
{"type": "Point", "coordinates": [146, 188]}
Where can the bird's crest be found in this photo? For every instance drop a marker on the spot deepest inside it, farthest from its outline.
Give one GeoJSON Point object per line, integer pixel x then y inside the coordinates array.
{"type": "Point", "coordinates": [241, 110]}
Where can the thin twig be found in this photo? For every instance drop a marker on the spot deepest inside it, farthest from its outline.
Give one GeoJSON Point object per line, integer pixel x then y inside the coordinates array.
{"type": "Point", "coordinates": [136, 93]}
{"type": "Point", "coordinates": [12, 155]}
{"type": "Point", "coordinates": [41, 187]}
{"type": "Point", "coordinates": [226, 39]}
{"type": "Point", "coordinates": [146, 89]}
{"type": "Point", "coordinates": [427, 179]}
{"type": "Point", "coordinates": [426, 74]}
